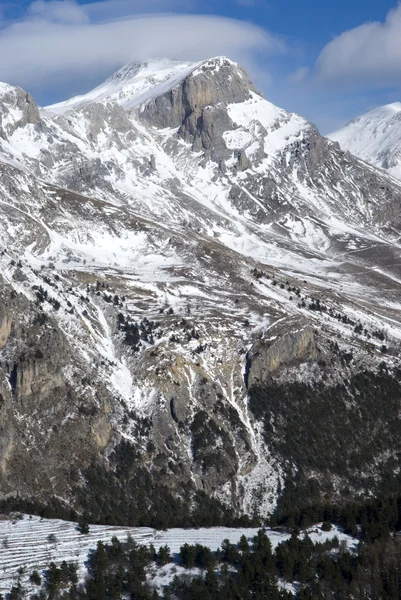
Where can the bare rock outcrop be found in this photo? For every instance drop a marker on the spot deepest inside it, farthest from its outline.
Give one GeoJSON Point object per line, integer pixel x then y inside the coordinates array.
{"type": "Point", "coordinates": [197, 105]}
{"type": "Point", "coordinates": [290, 347]}
{"type": "Point", "coordinates": [48, 425]}
{"type": "Point", "coordinates": [17, 109]}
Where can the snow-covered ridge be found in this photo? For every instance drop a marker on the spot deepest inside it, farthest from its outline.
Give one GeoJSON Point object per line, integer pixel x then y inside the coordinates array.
{"type": "Point", "coordinates": [137, 83]}
{"type": "Point", "coordinates": [375, 137]}
{"type": "Point", "coordinates": [132, 84]}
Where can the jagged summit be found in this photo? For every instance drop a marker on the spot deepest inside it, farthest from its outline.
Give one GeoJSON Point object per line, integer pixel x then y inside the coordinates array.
{"type": "Point", "coordinates": [375, 137]}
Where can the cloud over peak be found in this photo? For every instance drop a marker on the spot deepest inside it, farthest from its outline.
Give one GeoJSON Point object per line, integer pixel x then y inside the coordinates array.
{"type": "Point", "coordinates": [56, 11]}
{"type": "Point", "coordinates": [60, 41]}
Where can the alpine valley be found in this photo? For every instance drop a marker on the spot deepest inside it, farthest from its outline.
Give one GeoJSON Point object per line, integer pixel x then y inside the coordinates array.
{"type": "Point", "coordinates": [200, 304]}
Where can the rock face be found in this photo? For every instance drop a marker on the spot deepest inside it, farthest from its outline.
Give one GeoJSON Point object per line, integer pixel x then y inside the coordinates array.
{"type": "Point", "coordinates": [197, 105]}
{"type": "Point", "coordinates": [5, 329]}
{"type": "Point", "coordinates": [17, 109]}
{"type": "Point", "coordinates": [188, 274]}
{"type": "Point", "coordinates": [44, 438]}
{"type": "Point", "coordinates": [287, 349]}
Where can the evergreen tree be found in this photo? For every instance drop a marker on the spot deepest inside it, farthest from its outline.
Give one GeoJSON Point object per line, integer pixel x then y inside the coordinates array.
{"type": "Point", "coordinates": [163, 556]}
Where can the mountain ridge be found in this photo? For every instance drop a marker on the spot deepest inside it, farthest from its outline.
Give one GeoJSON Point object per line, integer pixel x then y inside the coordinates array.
{"type": "Point", "coordinates": [140, 78]}
{"type": "Point", "coordinates": [145, 72]}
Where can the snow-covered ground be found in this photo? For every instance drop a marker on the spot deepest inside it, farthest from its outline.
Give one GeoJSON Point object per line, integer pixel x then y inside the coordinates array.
{"type": "Point", "coordinates": [32, 543]}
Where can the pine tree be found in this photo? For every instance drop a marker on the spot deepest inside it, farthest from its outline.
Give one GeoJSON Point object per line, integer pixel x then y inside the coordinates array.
{"type": "Point", "coordinates": [163, 556]}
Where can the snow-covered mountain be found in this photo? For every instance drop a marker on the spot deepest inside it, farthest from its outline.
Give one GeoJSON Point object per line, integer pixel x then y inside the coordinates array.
{"type": "Point", "coordinates": [133, 84]}
{"type": "Point", "coordinates": [178, 257]}
{"type": "Point", "coordinates": [375, 137]}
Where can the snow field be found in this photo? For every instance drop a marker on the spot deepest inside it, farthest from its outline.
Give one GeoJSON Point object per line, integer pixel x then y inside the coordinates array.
{"type": "Point", "coordinates": [32, 543]}
{"type": "Point", "coordinates": [375, 137]}
{"type": "Point", "coordinates": [133, 84]}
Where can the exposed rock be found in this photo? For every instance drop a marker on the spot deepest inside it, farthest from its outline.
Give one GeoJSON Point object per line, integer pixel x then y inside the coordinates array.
{"type": "Point", "coordinates": [196, 106]}
{"type": "Point", "coordinates": [12, 98]}
{"type": "Point", "coordinates": [19, 275]}
{"type": "Point", "coordinates": [5, 327]}
{"type": "Point", "coordinates": [288, 349]}
{"type": "Point", "coordinates": [47, 425]}
{"type": "Point", "coordinates": [243, 161]}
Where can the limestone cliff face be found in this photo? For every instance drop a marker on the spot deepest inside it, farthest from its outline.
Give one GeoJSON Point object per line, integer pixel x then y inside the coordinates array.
{"type": "Point", "coordinates": [286, 349]}
{"type": "Point", "coordinates": [193, 424]}
{"type": "Point", "coordinates": [197, 106]}
{"type": "Point", "coordinates": [5, 328]}
{"type": "Point", "coordinates": [49, 427]}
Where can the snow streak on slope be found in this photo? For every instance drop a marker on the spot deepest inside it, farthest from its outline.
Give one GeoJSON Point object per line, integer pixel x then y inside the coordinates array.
{"type": "Point", "coordinates": [375, 137]}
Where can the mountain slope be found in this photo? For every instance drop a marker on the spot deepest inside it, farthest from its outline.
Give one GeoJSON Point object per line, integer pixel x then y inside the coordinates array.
{"type": "Point", "coordinates": [178, 256]}
{"type": "Point", "coordinates": [375, 137]}
{"type": "Point", "coordinates": [132, 84]}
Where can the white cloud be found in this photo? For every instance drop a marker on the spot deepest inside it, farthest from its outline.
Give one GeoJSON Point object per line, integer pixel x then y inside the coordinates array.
{"type": "Point", "coordinates": [366, 55]}
{"type": "Point", "coordinates": [299, 75]}
{"type": "Point", "coordinates": [56, 11]}
{"type": "Point", "coordinates": [111, 9]}
{"type": "Point", "coordinates": [61, 41]}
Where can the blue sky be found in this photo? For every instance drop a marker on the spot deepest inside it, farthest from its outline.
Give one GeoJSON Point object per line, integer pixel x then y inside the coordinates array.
{"type": "Point", "coordinates": [328, 60]}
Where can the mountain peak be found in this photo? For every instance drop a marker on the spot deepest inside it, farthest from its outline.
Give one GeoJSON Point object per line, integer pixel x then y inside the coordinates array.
{"type": "Point", "coordinates": [129, 85]}
{"type": "Point", "coordinates": [396, 106]}
{"type": "Point", "coordinates": [17, 109]}
{"type": "Point", "coordinates": [218, 62]}
{"type": "Point", "coordinates": [375, 137]}
{"type": "Point", "coordinates": [137, 82]}
{"type": "Point", "coordinates": [160, 65]}
{"type": "Point", "coordinates": [152, 67]}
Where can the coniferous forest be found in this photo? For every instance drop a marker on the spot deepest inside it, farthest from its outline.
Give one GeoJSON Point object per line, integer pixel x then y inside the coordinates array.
{"type": "Point", "coordinates": [297, 568]}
